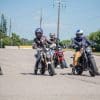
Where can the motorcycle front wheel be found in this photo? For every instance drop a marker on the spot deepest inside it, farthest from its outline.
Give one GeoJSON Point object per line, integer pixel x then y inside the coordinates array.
{"type": "Point", "coordinates": [42, 70]}
{"type": "Point", "coordinates": [93, 67]}
{"type": "Point", "coordinates": [51, 70]}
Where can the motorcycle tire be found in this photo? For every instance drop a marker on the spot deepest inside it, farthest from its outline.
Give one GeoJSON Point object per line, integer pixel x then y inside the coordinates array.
{"type": "Point", "coordinates": [63, 64]}
{"type": "Point", "coordinates": [42, 70]}
{"type": "Point", "coordinates": [55, 63]}
{"type": "Point", "coordinates": [51, 70]}
{"type": "Point", "coordinates": [93, 67]}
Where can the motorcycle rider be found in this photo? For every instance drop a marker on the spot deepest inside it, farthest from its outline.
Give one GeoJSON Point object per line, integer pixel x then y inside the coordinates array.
{"type": "Point", "coordinates": [39, 42]}
{"type": "Point", "coordinates": [56, 43]}
{"type": "Point", "coordinates": [79, 42]}
{"type": "Point", "coordinates": [53, 38]}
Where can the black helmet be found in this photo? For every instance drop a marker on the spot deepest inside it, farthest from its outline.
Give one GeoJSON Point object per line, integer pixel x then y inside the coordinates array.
{"type": "Point", "coordinates": [38, 32]}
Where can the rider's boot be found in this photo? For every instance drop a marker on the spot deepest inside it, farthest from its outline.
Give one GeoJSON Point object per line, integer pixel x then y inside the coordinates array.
{"type": "Point", "coordinates": [73, 70]}
{"type": "Point", "coordinates": [36, 68]}
{"type": "Point", "coordinates": [35, 72]}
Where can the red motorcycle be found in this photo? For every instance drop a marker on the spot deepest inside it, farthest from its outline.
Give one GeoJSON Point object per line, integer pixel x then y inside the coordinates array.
{"type": "Point", "coordinates": [59, 58]}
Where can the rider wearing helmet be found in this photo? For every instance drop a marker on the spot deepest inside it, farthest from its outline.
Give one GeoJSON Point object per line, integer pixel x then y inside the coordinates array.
{"type": "Point", "coordinates": [79, 42]}
{"type": "Point", "coordinates": [53, 38]}
{"type": "Point", "coordinates": [40, 41]}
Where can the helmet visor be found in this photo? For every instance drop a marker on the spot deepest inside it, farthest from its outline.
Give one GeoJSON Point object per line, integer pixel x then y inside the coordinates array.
{"type": "Point", "coordinates": [38, 34]}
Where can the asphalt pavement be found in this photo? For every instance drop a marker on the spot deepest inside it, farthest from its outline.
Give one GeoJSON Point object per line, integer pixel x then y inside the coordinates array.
{"type": "Point", "coordinates": [19, 82]}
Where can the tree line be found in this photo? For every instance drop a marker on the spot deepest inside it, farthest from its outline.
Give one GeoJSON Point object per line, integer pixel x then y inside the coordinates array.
{"type": "Point", "coordinates": [93, 37]}
{"type": "Point", "coordinates": [14, 39]}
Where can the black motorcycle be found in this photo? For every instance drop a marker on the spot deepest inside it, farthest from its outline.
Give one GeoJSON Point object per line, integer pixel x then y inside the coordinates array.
{"type": "Point", "coordinates": [46, 62]}
{"type": "Point", "coordinates": [86, 63]}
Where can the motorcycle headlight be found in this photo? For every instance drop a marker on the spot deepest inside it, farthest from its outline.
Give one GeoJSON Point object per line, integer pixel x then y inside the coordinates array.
{"type": "Point", "coordinates": [88, 50]}
{"type": "Point", "coordinates": [47, 49]}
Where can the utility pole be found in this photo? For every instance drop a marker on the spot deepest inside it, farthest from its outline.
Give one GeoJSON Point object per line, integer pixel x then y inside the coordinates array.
{"type": "Point", "coordinates": [58, 22]}
{"type": "Point", "coordinates": [60, 4]}
{"type": "Point", "coordinates": [41, 18]}
{"type": "Point", "coordinates": [10, 32]}
{"type": "Point", "coordinates": [10, 29]}
{"type": "Point", "coordinates": [1, 43]}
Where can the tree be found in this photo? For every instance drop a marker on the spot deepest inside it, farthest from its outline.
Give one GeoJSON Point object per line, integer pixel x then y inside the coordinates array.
{"type": "Point", "coordinates": [66, 42]}
{"type": "Point", "coordinates": [3, 24]}
{"type": "Point", "coordinates": [95, 37]}
{"type": "Point", "coordinates": [6, 41]}
{"type": "Point", "coordinates": [16, 41]}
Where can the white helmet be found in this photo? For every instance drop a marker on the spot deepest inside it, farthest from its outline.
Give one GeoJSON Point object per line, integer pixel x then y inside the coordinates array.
{"type": "Point", "coordinates": [79, 32]}
{"type": "Point", "coordinates": [52, 35]}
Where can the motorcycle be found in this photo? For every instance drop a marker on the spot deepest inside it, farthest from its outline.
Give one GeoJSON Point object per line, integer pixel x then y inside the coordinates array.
{"type": "Point", "coordinates": [46, 62]}
{"type": "Point", "coordinates": [86, 63]}
{"type": "Point", "coordinates": [59, 58]}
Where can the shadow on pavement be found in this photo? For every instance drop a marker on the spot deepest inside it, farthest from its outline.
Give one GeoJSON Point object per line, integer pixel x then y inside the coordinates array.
{"type": "Point", "coordinates": [74, 75]}
{"type": "Point", "coordinates": [34, 74]}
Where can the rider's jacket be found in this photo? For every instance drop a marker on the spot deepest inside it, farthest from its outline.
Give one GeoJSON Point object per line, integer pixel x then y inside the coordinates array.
{"type": "Point", "coordinates": [40, 42]}
{"type": "Point", "coordinates": [80, 42]}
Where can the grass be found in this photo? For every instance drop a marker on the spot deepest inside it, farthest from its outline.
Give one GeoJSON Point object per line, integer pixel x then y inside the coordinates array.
{"type": "Point", "coordinates": [96, 53]}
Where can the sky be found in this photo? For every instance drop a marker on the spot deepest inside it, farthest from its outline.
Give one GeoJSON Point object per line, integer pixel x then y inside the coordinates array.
{"type": "Point", "coordinates": [25, 16]}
